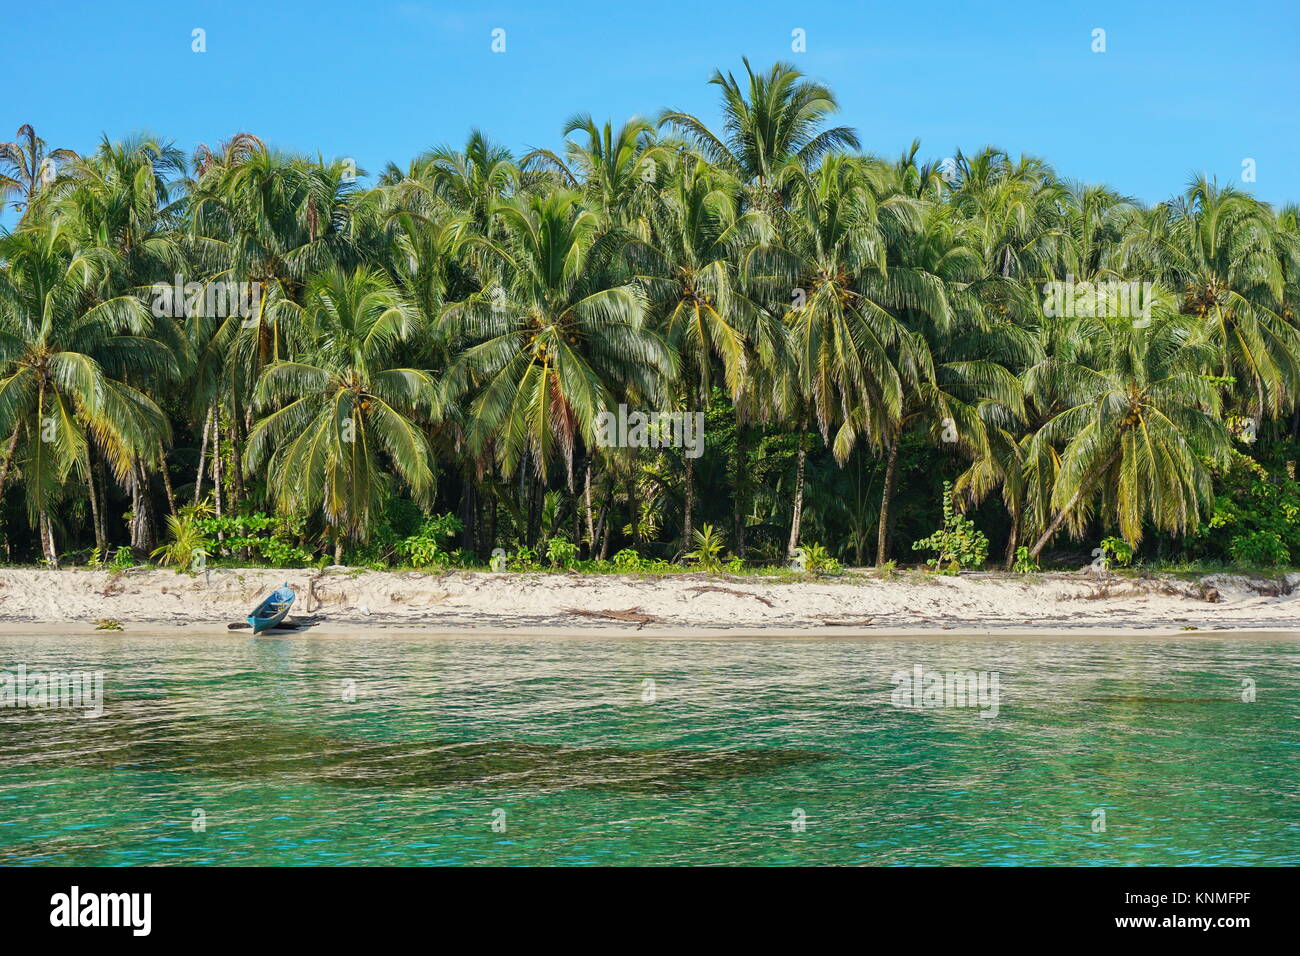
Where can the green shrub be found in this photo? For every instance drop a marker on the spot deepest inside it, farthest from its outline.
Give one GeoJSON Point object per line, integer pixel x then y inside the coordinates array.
{"type": "Point", "coordinates": [709, 544]}
{"type": "Point", "coordinates": [424, 548]}
{"type": "Point", "coordinates": [627, 561]}
{"type": "Point", "coordinates": [1259, 549]}
{"type": "Point", "coordinates": [185, 543]}
{"type": "Point", "coordinates": [562, 553]}
{"type": "Point", "coordinates": [1117, 551]}
{"type": "Point", "coordinates": [959, 543]}
{"type": "Point", "coordinates": [271, 538]}
{"type": "Point", "coordinates": [525, 559]}
{"type": "Point", "coordinates": [817, 559]}
{"type": "Point", "coordinates": [1024, 563]}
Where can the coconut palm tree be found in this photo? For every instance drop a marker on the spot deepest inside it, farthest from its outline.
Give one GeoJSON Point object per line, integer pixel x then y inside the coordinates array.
{"type": "Point", "coordinates": [344, 418]}
{"type": "Point", "coordinates": [26, 165]}
{"type": "Point", "coordinates": [1142, 423]}
{"type": "Point", "coordinates": [687, 268]}
{"type": "Point", "coordinates": [840, 335]}
{"type": "Point", "coordinates": [774, 119]}
{"type": "Point", "coordinates": [65, 362]}
{"type": "Point", "coordinates": [1223, 251]}
{"type": "Point", "coordinates": [555, 343]}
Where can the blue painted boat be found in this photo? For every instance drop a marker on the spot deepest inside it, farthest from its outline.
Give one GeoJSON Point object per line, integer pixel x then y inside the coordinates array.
{"type": "Point", "coordinates": [272, 611]}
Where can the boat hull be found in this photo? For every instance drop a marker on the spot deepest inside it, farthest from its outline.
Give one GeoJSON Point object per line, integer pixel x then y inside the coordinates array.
{"type": "Point", "coordinates": [271, 611]}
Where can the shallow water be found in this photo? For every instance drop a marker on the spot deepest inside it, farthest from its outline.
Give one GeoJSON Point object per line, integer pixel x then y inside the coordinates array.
{"type": "Point", "coordinates": [740, 752]}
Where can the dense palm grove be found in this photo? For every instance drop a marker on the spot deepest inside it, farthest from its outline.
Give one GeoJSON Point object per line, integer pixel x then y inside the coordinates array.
{"type": "Point", "coordinates": [424, 363]}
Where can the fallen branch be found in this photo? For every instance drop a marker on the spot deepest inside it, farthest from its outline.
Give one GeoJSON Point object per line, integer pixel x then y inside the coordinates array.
{"type": "Point", "coordinates": [714, 587]}
{"type": "Point", "coordinates": [631, 615]}
{"type": "Point", "coordinates": [829, 620]}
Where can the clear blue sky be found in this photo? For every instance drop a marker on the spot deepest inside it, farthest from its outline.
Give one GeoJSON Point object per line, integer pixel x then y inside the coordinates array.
{"type": "Point", "coordinates": [1183, 86]}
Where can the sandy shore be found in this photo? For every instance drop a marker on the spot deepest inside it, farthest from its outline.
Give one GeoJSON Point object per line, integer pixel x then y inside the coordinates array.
{"type": "Point", "coordinates": [352, 602]}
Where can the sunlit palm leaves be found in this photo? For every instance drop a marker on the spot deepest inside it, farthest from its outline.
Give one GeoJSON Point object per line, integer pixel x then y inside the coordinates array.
{"type": "Point", "coordinates": [343, 418]}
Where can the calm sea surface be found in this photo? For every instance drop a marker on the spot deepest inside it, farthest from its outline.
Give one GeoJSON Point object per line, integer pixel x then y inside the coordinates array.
{"type": "Point", "coordinates": [652, 751]}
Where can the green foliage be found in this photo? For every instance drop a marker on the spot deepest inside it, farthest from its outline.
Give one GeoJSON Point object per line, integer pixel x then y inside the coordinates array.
{"type": "Point", "coordinates": [270, 538]}
{"type": "Point", "coordinates": [562, 553]}
{"type": "Point", "coordinates": [1256, 519]}
{"type": "Point", "coordinates": [185, 542]}
{"type": "Point", "coordinates": [818, 560]}
{"type": "Point", "coordinates": [524, 559]}
{"type": "Point", "coordinates": [424, 548]}
{"type": "Point", "coordinates": [959, 544]}
{"type": "Point", "coordinates": [709, 545]}
{"type": "Point", "coordinates": [1117, 551]}
{"type": "Point", "coordinates": [627, 561]}
{"type": "Point", "coordinates": [1259, 549]}
{"type": "Point", "coordinates": [1024, 562]}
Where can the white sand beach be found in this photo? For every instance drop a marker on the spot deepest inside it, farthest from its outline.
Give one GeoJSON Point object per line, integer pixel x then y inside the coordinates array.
{"type": "Point", "coordinates": [355, 601]}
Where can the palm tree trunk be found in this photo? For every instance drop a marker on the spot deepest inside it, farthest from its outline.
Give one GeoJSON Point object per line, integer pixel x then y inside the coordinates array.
{"type": "Point", "coordinates": [632, 512]}
{"type": "Point", "coordinates": [216, 473]}
{"type": "Point", "coordinates": [338, 549]}
{"type": "Point", "coordinates": [47, 541]}
{"type": "Point", "coordinates": [602, 527]}
{"type": "Point", "coordinates": [586, 490]}
{"type": "Point", "coordinates": [891, 475]}
{"type": "Point", "coordinates": [1013, 542]}
{"type": "Point", "coordinates": [96, 518]}
{"type": "Point", "coordinates": [142, 523]}
{"type": "Point", "coordinates": [167, 480]}
{"type": "Point", "coordinates": [236, 466]}
{"type": "Point", "coordinates": [738, 495]}
{"type": "Point", "coordinates": [1064, 513]}
{"type": "Point", "coordinates": [203, 454]}
{"type": "Point", "coordinates": [689, 505]}
{"type": "Point", "coordinates": [798, 494]}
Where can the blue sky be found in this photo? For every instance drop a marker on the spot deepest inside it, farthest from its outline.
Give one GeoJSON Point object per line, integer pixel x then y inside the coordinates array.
{"type": "Point", "coordinates": [1182, 87]}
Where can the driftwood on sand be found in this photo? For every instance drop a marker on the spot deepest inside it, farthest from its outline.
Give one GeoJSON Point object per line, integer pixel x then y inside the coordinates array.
{"type": "Point", "coordinates": [630, 615]}
{"type": "Point", "coordinates": [714, 587]}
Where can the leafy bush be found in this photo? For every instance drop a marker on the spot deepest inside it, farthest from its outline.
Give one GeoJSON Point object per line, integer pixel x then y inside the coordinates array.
{"type": "Point", "coordinates": [561, 552]}
{"type": "Point", "coordinates": [185, 542]}
{"type": "Point", "coordinates": [709, 544]}
{"type": "Point", "coordinates": [959, 543]}
{"type": "Point", "coordinates": [271, 538]}
{"type": "Point", "coordinates": [627, 561]}
{"type": "Point", "coordinates": [1256, 518]}
{"type": "Point", "coordinates": [818, 560]}
{"type": "Point", "coordinates": [424, 548]}
{"type": "Point", "coordinates": [1024, 563]}
{"type": "Point", "coordinates": [525, 559]}
{"type": "Point", "coordinates": [1117, 551]}
{"type": "Point", "coordinates": [1259, 549]}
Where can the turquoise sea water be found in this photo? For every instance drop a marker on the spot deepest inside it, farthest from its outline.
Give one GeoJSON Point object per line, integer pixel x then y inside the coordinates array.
{"type": "Point", "coordinates": [578, 759]}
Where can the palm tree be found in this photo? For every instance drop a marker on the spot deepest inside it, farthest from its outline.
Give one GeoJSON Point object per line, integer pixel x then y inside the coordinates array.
{"type": "Point", "coordinates": [26, 166]}
{"type": "Point", "coordinates": [1142, 423]}
{"type": "Point", "coordinates": [840, 331]}
{"type": "Point", "coordinates": [64, 368]}
{"type": "Point", "coordinates": [775, 119]}
{"type": "Point", "coordinates": [271, 221]}
{"type": "Point", "coordinates": [687, 269]}
{"type": "Point", "coordinates": [344, 414]}
{"type": "Point", "coordinates": [557, 341]}
{"type": "Point", "coordinates": [1222, 249]}
{"type": "Point", "coordinates": [618, 171]}
{"type": "Point", "coordinates": [119, 205]}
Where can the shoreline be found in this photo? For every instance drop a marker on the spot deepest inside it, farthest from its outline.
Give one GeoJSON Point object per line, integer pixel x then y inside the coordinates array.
{"type": "Point", "coordinates": [353, 602]}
